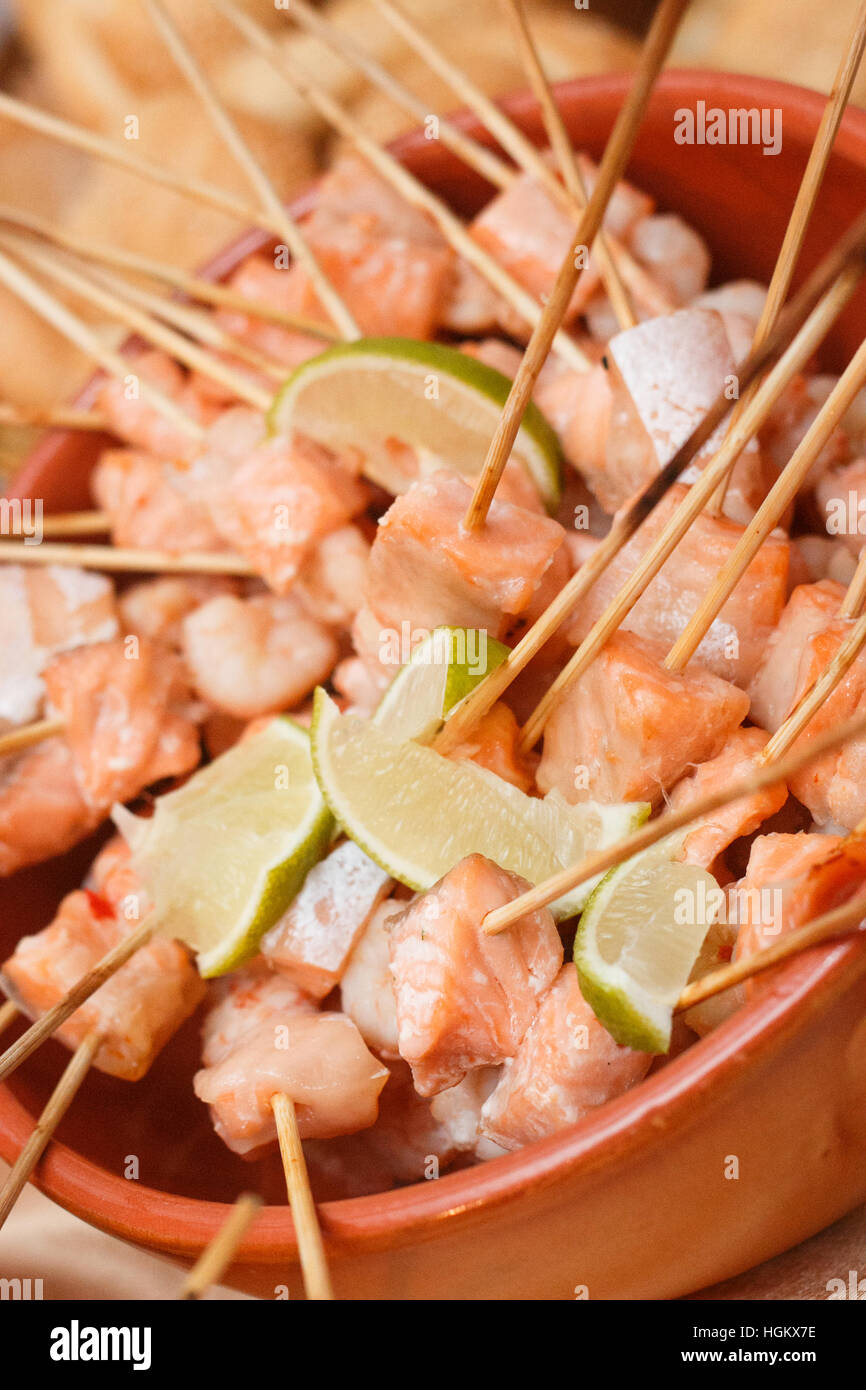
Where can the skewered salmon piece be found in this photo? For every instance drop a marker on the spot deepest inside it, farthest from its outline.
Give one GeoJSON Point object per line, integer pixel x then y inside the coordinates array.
{"type": "Point", "coordinates": [579, 406]}
{"type": "Point", "coordinates": [156, 608]}
{"type": "Point", "coordinates": [736, 641]}
{"type": "Point", "coordinates": [388, 261]}
{"type": "Point", "coordinates": [424, 566]}
{"type": "Point", "coordinates": [136, 1011]}
{"type": "Point", "coordinates": [464, 999]}
{"type": "Point", "coordinates": [566, 1066]}
{"type": "Point", "coordinates": [252, 656]}
{"type": "Point", "coordinates": [809, 609]}
{"type": "Point", "coordinates": [258, 278]}
{"type": "Point", "coordinates": [664, 375]}
{"type": "Point", "coordinates": [44, 612]}
{"type": "Point", "coordinates": [319, 1060]}
{"type": "Point", "coordinates": [243, 1001]}
{"type": "Point", "coordinates": [280, 501]}
{"type": "Point", "coordinates": [145, 509]}
{"type": "Point", "coordinates": [43, 811]}
{"type": "Point", "coordinates": [832, 787]}
{"type": "Point", "coordinates": [791, 879]}
{"type": "Point", "coordinates": [710, 837]}
{"type": "Point", "coordinates": [124, 713]}
{"type": "Point", "coordinates": [628, 729]}
{"type": "Point", "coordinates": [529, 233]}
{"type": "Point", "coordinates": [137, 422]}
{"type": "Point", "coordinates": [312, 941]}
{"type": "Point", "coordinates": [367, 986]}
{"type": "Point", "coordinates": [493, 744]}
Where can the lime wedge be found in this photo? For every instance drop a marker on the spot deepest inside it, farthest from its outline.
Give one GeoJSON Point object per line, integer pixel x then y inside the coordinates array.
{"type": "Point", "coordinates": [417, 813]}
{"type": "Point", "coordinates": [368, 394]}
{"type": "Point", "coordinates": [638, 939]}
{"type": "Point", "coordinates": [224, 855]}
{"type": "Point", "coordinates": [441, 672]}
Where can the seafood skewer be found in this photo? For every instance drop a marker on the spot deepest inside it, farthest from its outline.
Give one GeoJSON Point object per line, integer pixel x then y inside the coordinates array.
{"type": "Point", "coordinates": [785, 343]}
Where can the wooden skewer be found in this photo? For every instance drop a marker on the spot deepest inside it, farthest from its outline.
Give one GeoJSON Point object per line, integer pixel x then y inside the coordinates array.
{"type": "Point", "coordinates": [82, 139]}
{"type": "Point", "coordinates": [777, 345]}
{"type": "Point", "coordinates": [270, 201]}
{"type": "Point", "coordinates": [614, 160]}
{"type": "Point", "coordinates": [54, 312]}
{"type": "Point", "coordinates": [474, 154]}
{"type": "Point", "coordinates": [76, 524]}
{"type": "Point", "coordinates": [206, 291]}
{"type": "Point", "coordinates": [649, 834]}
{"type": "Point", "coordinates": [110, 557]}
{"type": "Point", "coordinates": [59, 1102]}
{"type": "Point", "coordinates": [16, 740]}
{"type": "Point", "coordinates": [648, 566]}
{"type": "Point", "coordinates": [35, 417]}
{"type": "Point", "coordinates": [562, 147]}
{"type": "Point", "coordinates": [54, 1018]}
{"type": "Point", "coordinates": [157, 333]}
{"type": "Point", "coordinates": [524, 153]}
{"type": "Point", "coordinates": [807, 194]}
{"type": "Point", "coordinates": [410, 188]}
{"type": "Point", "coordinates": [210, 1267]}
{"type": "Point", "coordinates": [317, 1279]}
{"type": "Point", "coordinates": [8, 1014]}
{"type": "Point", "coordinates": [780, 496]}
{"type": "Point", "coordinates": [842, 920]}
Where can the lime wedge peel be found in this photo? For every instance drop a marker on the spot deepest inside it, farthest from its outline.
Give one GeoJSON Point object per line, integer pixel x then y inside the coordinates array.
{"type": "Point", "coordinates": [443, 403]}
{"type": "Point", "coordinates": [224, 855]}
{"type": "Point", "coordinates": [443, 669]}
{"type": "Point", "coordinates": [417, 813]}
{"type": "Point", "coordinates": [637, 942]}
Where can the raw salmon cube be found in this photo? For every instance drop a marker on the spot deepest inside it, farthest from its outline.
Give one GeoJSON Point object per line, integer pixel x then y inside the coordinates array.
{"type": "Point", "coordinates": [566, 1066]}
{"type": "Point", "coordinates": [791, 879]}
{"type": "Point", "coordinates": [144, 508]}
{"type": "Point", "coordinates": [242, 1002]}
{"type": "Point", "coordinates": [834, 786]}
{"type": "Point", "coordinates": [388, 261]}
{"type": "Point", "coordinates": [426, 568]}
{"type": "Point", "coordinates": [312, 940]}
{"type": "Point", "coordinates": [736, 642]}
{"type": "Point", "coordinates": [122, 709]}
{"type": "Point", "coordinates": [139, 423]}
{"type": "Point", "coordinates": [810, 609]}
{"type": "Point", "coordinates": [43, 811]}
{"type": "Point", "coordinates": [136, 1011]}
{"type": "Point", "coordinates": [280, 501]}
{"type": "Point", "coordinates": [43, 612]}
{"type": "Point", "coordinates": [367, 986]}
{"type": "Point", "coordinates": [258, 278]}
{"type": "Point", "coordinates": [318, 1060]}
{"type": "Point", "coordinates": [628, 728]}
{"type": "Point", "coordinates": [464, 999]}
{"type": "Point", "coordinates": [711, 835]}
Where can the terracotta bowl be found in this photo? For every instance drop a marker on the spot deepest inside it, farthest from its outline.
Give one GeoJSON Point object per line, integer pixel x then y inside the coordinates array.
{"type": "Point", "coordinates": [634, 1202]}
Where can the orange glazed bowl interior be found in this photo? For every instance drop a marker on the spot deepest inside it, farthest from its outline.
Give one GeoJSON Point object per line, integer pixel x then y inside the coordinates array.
{"type": "Point", "coordinates": [634, 1201]}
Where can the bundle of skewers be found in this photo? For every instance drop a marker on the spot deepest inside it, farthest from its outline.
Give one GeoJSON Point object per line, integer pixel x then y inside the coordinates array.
{"type": "Point", "coordinates": [487, 669]}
